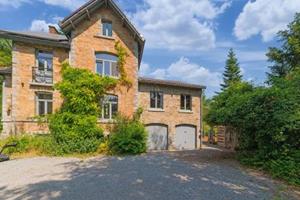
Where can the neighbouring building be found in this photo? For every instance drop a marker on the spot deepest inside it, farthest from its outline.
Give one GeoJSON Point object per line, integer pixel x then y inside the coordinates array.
{"type": "Point", "coordinates": [172, 109]}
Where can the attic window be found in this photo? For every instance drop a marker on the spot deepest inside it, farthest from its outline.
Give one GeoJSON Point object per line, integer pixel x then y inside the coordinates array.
{"type": "Point", "coordinates": [106, 28]}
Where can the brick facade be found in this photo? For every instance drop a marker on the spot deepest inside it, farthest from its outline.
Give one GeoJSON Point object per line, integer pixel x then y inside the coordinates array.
{"type": "Point", "coordinates": [171, 115]}
{"type": "Point", "coordinates": [19, 103]}
{"type": "Point", "coordinates": [87, 39]}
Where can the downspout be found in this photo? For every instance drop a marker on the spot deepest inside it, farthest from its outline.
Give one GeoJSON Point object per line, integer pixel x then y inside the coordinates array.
{"type": "Point", "coordinates": [201, 114]}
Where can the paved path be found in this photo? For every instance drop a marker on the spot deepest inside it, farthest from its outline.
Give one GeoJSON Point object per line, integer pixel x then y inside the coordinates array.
{"type": "Point", "coordinates": [206, 174]}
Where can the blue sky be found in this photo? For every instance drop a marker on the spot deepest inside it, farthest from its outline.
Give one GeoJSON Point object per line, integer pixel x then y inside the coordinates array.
{"type": "Point", "coordinates": [186, 40]}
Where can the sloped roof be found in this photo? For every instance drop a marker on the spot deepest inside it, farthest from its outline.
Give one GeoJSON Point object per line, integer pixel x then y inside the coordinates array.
{"type": "Point", "coordinates": [174, 83]}
{"type": "Point", "coordinates": [36, 38]}
{"type": "Point", "coordinates": [84, 12]}
{"type": "Point", "coordinates": [86, 9]}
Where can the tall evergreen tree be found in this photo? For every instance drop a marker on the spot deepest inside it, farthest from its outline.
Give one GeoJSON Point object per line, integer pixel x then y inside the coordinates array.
{"type": "Point", "coordinates": [232, 73]}
{"type": "Point", "coordinates": [286, 58]}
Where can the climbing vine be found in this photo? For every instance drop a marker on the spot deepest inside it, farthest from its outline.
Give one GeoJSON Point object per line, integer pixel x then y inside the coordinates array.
{"type": "Point", "coordinates": [122, 55]}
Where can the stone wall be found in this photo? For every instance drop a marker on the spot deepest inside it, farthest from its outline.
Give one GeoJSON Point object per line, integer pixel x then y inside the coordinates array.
{"type": "Point", "coordinates": [87, 39]}
{"type": "Point", "coordinates": [171, 115]}
{"type": "Point", "coordinates": [23, 90]}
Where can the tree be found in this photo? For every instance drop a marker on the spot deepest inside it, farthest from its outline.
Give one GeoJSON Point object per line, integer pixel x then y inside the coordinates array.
{"type": "Point", "coordinates": [232, 72]}
{"type": "Point", "coordinates": [286, 58]}
{"type": "Point", "coordinates": [5, 53]}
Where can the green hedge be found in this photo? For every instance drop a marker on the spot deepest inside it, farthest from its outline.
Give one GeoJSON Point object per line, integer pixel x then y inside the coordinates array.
{"type": "Point", "coordinates": [267, 120]}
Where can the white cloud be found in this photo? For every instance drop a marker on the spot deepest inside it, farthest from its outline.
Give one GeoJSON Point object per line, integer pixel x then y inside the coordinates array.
{"type": "Point", "coordinates": [186, 71]}
{"type": "Point", "coordinates": [42, 25]}
{"type": "Point", "coordinates": [251, 56]}
{"type": "Point", "coordinates": [265, 17]}
{"type": "Point", "coordinates": [68, 4]}
{"type": "Point", "coordinates": [13, 3]}
{"type": "Point", "coordinates": [177, 24]}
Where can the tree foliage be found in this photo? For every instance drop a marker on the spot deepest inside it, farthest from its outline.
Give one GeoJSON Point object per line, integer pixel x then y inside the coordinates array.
{"type": "Point", "coordinates": [232, 72]}
{"type": "Point", "coordinates": [5, 53]}
{"type": "Point", "coordinates": [286, 58]}
{"type": "Point", "coordinates": [267, 119]}
{"type": "Point", "coordinates": [74, 127]}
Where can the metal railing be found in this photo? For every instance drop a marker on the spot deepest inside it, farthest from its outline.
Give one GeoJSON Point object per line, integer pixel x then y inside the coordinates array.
{"type": "Point", "coordinates": [42, 76]}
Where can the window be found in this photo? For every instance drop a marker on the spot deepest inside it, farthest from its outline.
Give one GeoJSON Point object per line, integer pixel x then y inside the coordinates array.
{"type": "Point", "coordinates": [109, 107]}
{"type": "Point", "coordinates": [44, 103]}
{"type": "Point", "coordinates": [44, 61]}
{"type": "Point", "coordinates": [107, 28]}
{"type": "Point", "coordinates": [156, 100]}
{"type": "Point", "coordinates": [106, 64]}
{"type": "Point", "coordinates": [42, 72]}
{"type": "Point", "coordinates": [185, 102]}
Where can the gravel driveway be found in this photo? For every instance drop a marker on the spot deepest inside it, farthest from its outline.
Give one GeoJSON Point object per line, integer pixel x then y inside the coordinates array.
{"type": "Point", "coordinates": [205, 174]}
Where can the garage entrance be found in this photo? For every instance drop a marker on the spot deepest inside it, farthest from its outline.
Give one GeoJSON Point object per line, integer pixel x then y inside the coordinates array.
{"type": "Point", "coordinates": [157, 136]}
{"type": "Point", "coordinates": [185, 137]}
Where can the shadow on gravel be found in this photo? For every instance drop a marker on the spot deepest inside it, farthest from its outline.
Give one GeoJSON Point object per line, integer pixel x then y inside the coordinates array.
{"type": "Point", "coordinates": [168, 175]}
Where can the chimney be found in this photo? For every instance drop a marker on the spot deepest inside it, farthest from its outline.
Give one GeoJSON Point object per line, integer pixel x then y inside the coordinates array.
{"type": "Point", "coordinates": [53, 30]}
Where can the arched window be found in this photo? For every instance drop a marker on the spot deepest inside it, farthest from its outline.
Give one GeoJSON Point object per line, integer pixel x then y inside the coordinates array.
{"type": "Point", "coordinates": [109, 107]}
{"type": "Point", "coordinates": [106, 64]}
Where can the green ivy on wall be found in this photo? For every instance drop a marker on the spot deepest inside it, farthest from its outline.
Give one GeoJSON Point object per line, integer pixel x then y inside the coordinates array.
{"type": "Point", "coordinates": [122, 56]}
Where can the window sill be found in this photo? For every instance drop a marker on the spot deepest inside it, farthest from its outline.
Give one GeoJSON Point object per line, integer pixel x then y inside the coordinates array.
{"type": "Point", "coordinates": [156, 110]}
{"type": "Point", "coordinates": [104, 37]}
{"type": "Point", "coordinates": [186, 111]}
{"type": "Point", "coordinates": [41, 84]}
{"type": "Point", "coordinates": [114, 77]}
{"type": "Point", "coordinates": [106, 121]}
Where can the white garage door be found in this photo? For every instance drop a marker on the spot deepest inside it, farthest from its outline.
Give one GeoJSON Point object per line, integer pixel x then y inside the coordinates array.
{"type": "Point", "coordinates": [157, 137]}
{"type": "Point", "coordinates": [185, 137]}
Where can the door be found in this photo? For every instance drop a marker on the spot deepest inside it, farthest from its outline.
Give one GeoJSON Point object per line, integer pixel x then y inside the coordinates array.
{"type": "Point", "coordinates": [185, 137]}
{"type": "Point", "coordinates": [157, 137]}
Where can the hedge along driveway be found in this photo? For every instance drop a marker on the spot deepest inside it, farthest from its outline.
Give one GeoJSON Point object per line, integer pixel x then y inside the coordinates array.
{"type": "Point", "coordinates": [206, 174]}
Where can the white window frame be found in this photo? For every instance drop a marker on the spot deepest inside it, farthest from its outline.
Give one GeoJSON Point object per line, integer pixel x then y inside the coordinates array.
{"type": "Point", "coordinates": [110, 103]}
{"type": "Point", "coordinates": [156, 100]}
{"type": "Point", "coordinates": [46, 101]}
{"type": "Point", "coordinates": [45, 62]}
{"type": "Point", "coordinates": [110, 67]}
{"type": "Point", "coordinates": [105, 32]}
{"type": "Point", "coordinates": [185, 102]}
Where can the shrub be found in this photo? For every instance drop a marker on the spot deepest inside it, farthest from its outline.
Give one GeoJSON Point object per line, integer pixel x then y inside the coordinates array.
{"type": "Point", "coordinates": [267, 120]}
{"type": "Point", "coordinates": [286, 167]}
{"type": "Point", "coordinates": [75, 133]}
{"type": "Point", "coordinates": [74, 127]}
{"type": "Point", "coordinates": [40, 144]}
{"type": "Point", "coordinates": [128, 136]}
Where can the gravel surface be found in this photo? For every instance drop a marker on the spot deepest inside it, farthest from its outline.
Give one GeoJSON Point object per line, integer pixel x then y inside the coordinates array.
{"type": "Point", "coordinates": [205, 174]}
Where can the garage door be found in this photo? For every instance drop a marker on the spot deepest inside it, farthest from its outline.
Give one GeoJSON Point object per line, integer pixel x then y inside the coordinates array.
{"type": "Point", "coordinates": [185, 137]}
{"type": "Point", "coordinates": [157, 137]}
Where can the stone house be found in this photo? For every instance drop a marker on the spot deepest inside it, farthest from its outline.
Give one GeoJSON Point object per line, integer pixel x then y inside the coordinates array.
{"type": "Point", "coordinates": [172, 109]}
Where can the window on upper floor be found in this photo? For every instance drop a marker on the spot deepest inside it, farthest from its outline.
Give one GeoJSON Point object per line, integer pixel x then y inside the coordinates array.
{"type": "Point", "coordinates": [43, 71]}
{"type": "Point", "coordinates": [185, 102]}
{"type": "Point", "coordinates": [156, 100]}
{"type": "Point", "coordinates": [109, 107]}
{"type": "Point", "coordinates": [106, 65]}
{"type": "Point", "coordinates": [44, 103]}
{"type": "Point", "coordinates": [107, 28]}
{"type": "Point", "coordinates": [44, 60]}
